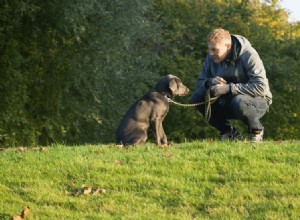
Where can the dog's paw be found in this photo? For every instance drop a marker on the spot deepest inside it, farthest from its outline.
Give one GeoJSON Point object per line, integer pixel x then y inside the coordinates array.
{"type": "Point", "coordinates": [166, 145]}
{"type": "Point", "coordinates": [163, 146]}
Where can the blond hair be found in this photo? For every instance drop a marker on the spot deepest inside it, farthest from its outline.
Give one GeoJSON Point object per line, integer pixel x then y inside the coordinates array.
{"type": "Point", "coordinates": [218, 35]}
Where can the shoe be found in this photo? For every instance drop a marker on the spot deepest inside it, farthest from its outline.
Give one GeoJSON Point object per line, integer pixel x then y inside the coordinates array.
{"type": "Point", "coordinates": [256, 137]}
{"type": "Point", "coordinates": [234, 134]}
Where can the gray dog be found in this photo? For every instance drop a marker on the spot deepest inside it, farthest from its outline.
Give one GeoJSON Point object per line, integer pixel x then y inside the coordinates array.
{"type": "Point", "coordinates": [149, 112]}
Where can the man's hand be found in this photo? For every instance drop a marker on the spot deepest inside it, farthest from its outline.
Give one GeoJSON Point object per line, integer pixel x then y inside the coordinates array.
{"type": "Point", "coordinates": [218, 80]}
{"type": "Point", "coordinates": [220, 89]}
{"type": "Point", "coordinates": [220, 86]}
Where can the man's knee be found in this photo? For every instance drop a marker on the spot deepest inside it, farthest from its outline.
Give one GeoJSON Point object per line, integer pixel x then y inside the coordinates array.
{"type": "Point", "coordinates": [241, 103]}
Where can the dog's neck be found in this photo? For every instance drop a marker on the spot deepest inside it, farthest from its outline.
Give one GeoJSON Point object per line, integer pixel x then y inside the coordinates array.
{"type": "Point", "coordinates": [165, 94]}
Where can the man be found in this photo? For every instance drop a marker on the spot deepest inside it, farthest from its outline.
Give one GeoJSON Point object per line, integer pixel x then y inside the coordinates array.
{"type": "Point", "coordinates": [234, 71]}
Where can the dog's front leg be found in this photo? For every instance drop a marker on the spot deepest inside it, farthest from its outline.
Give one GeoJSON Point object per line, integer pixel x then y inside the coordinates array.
{"type": "Point", "coordinates": [159, 133]}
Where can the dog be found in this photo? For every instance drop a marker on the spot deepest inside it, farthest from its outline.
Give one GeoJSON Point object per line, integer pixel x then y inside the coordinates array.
{"type": "Point", "coordinates": [148, 113]}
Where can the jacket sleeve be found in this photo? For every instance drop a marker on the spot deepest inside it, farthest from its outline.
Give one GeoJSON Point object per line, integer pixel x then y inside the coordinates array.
{"type": "Point", "coordinates": [257, 84]}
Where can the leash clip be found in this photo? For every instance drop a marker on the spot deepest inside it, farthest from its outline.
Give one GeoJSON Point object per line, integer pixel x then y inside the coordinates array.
{"type": "Point", "coordinates": [167, 98]}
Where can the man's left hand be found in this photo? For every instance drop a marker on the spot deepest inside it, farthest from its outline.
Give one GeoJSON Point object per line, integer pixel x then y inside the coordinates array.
{"type": "Point", "coordinates": [220, 89]}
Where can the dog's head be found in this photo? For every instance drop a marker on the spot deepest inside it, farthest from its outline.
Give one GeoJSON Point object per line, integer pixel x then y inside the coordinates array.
{"type": "Point", "coordinates": [172, 86]}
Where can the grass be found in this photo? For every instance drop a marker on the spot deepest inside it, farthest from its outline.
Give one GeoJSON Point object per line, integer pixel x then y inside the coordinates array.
{"type": "Point", "coordinates": [197, 180]}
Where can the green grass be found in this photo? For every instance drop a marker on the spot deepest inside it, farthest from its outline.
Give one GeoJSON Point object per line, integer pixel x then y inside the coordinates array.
{"type": "Point", "coordinates": [198, 180]}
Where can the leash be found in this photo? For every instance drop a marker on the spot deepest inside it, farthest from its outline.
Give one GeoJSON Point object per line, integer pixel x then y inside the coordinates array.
{"type": "Point", "coordinates": [208, 102]}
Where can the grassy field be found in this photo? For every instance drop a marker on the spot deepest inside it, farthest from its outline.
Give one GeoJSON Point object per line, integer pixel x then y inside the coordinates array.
{"type": "Point", "coordinates": [197, 180]}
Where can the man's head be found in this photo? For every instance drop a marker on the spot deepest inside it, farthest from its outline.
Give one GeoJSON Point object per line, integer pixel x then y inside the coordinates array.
{"type": "Point", "coordinates": [219, 44]}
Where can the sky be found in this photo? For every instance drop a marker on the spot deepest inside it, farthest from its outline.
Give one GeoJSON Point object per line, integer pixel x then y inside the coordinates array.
{"type": "Point", "coordinates": [293, 6]}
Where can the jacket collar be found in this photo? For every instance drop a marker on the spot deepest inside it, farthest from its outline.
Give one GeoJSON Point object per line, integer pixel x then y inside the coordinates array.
{"type": "Point", "coordinates": [235, 50]}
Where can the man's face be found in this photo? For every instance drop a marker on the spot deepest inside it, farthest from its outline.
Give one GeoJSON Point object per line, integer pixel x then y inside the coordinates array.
{"type": "Point", "coordinates": [218, 50]}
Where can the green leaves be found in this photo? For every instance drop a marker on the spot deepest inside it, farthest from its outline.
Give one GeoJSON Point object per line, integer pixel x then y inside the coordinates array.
{"type": "Point", "coordinates": [64, 78]}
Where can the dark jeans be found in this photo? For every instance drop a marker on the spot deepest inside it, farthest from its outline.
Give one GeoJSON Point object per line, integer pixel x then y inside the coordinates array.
{"type": "Point", "coordinates": [241, 107]}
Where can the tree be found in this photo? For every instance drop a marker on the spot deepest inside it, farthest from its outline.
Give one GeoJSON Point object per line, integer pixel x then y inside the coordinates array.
{"type": "Point", "coordinates": [67, 66]}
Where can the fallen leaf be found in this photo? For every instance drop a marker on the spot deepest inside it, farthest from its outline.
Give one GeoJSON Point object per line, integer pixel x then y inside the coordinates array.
{"type": "Point", "coordinates": [23, 214]}
{"type": "Point", "coordinates": [86, 190]}
{"type": "Point", "coordinates": [97, 191]}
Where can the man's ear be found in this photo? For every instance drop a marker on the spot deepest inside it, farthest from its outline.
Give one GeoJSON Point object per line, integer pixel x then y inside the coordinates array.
{"type": "Point", "coordinates": [173, 85]}
{"type": "Point", "coordinates": [228, 46]}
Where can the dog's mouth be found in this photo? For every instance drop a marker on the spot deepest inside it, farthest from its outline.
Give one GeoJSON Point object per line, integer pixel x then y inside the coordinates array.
{"type": "Point", "coordinates": [185, 92]}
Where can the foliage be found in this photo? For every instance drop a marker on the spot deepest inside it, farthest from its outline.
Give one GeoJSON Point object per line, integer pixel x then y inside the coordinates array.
{"type": "Point", "coordinates": [283, 118]}
{"type": "Point", "coordinates": [65, 65]}
{"type": "Point", "coordinates": [196, 180]}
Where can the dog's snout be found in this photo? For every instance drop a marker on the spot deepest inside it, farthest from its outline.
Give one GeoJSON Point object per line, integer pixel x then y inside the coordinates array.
{"type": "Point", "coordinates": [183, 90]}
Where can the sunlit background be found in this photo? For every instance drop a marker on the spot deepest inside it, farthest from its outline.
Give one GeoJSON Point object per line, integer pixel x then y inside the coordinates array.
{"type": "Point", "coordinates": [293, 6]}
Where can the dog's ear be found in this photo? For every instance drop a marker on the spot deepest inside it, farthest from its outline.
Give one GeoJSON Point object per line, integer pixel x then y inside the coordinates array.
{"type": "Point", "coordinates": [173, 85]}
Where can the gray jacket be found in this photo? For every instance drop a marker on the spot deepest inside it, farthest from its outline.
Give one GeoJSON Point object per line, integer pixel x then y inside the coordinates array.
{"type": "Point", "coordinates": [243, 69]}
